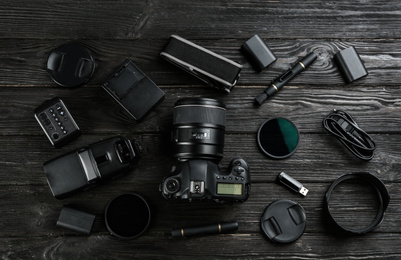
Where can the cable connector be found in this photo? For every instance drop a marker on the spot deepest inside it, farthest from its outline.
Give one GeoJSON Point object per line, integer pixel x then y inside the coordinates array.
{"type": "Point", "coordinates": [291, 183]}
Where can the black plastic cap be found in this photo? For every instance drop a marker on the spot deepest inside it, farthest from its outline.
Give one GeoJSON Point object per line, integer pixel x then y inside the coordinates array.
{"type": "Point", "coordinates": [350, 64]}
{"type": "Point", "coordinates": [76, 220]}
{"type": "Point", "coordinates": [70, 65]}
{"type": "Point", "coordinates": [257, 53]}
{"type": "Point", "coordinates": [283, 221]}
{"type": "Point", "coordinates": [127, 216]}
{"type": "Point", "coordinates": [259, 100]}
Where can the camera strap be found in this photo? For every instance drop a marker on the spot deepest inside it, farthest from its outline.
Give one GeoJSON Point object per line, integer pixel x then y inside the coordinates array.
{"type": "Point", "coordinates": [382, 195]}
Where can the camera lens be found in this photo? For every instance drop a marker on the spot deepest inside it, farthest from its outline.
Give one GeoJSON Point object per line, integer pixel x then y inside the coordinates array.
{"type": "Point", "coordinates": [199, 128]}
{"type": "Point", "coordinates": [172, 185]}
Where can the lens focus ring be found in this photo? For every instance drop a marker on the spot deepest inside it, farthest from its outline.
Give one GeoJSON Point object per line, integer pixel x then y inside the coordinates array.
{"type": "Point", "coordinates": [199, 128]}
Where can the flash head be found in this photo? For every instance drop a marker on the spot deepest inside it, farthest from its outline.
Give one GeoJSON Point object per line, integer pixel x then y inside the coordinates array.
{"type": "Point", "coordinates": [87, 166]}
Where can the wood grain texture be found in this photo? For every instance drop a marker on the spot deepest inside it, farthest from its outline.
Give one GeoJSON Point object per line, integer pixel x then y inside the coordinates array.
{"type": "Point", "coordinates": [207, 20]}
{"type": "Point", "coordinates": [26, 66]}
{"type": "Point", "coordinates": [376, 110]}
{"type": "Point", "coordinates": [139, 30]}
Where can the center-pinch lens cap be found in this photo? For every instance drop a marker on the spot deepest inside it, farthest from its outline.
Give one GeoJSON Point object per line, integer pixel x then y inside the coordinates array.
{"type": "Point", "coordinates": [283, 221]}
{"type": "Point", "coordinates": [278, 137]}
{"type": "Point", "coordinates": [127, 216]}
{"type": "Point", "coordinates": [71, 65]}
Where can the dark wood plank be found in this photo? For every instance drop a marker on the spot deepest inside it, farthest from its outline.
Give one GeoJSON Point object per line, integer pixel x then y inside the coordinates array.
{"type": "Point", "coordinates": [27, 64]}
{"type": "Point", "coordinates": [318, 158]}
{"type": "Point", "coordinates": [226, 247]}
{"type": "Point", "coordinates": [43, 211]}
{"type": "Point", "coordinates": [206, 19]}
{"type": "Point", "coordinates": [376, 110]}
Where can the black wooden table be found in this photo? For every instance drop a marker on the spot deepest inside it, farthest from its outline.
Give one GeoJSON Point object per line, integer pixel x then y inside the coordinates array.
{"type": "Point", "coordinates": [138, 30]}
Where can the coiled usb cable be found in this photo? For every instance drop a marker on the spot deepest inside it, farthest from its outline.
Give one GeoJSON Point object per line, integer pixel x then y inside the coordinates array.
{"type": "Point", "coordinates": [340, 124]}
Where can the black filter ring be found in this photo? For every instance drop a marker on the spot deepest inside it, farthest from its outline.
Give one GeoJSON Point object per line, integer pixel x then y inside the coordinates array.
{"type": "Point", "coordinates": [382, 195]}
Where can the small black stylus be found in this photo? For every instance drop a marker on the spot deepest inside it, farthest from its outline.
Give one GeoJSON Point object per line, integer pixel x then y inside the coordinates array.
{"type": "Point", "coordinates": [279, 82]}
{"type": "Point", "coordinates": [204, 230]}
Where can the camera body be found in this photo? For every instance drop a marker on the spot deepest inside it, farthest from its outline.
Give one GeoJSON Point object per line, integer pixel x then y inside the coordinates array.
{"type": "Point", "coordinates": [198, 143]}
{"type": "Point", "coordinates": [86, 167]}
{"type": "Point", "coordinates": [202, 179]}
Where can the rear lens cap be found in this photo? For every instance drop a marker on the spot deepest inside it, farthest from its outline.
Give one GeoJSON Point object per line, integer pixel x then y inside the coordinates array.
{"type": "Point", "coordinates": [70, 65]}
{"type": "Point", "coordinates": [278, 138]}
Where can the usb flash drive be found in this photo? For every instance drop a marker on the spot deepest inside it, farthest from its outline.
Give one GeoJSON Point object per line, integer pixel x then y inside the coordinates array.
{"type": "Point", "coordinates": [291, 183]}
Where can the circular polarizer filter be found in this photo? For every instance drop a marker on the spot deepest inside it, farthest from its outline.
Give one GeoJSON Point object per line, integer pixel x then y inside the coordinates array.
{"type": "Point", "coordinates": [127, 216]}
{"type": "Point", "coordinates": [278, 138]}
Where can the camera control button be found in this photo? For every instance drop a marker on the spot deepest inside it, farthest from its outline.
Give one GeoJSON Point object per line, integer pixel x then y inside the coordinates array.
{"type": "Point", "coordinates": [43, 116]}
{"type": "Point", "coordinates": [218, 177]}
{"type": "Point", "coordinates": [239, 170]}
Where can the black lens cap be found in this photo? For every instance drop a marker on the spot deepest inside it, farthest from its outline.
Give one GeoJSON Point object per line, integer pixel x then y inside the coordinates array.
{"type": "Point", "coordinates": [278, 137]}
{"type": "Point", "coordinates": [70, 65]}
{"type": "Point", "coordinates": [283, 221]}
{"type": "Point", "coordinates": [127, 216]}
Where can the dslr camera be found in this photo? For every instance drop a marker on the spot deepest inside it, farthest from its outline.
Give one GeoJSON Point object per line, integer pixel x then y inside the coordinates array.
{"type": "Point", "coordinates": [88, 166]}
{"type": "Point", "coordinates": [198, 142]}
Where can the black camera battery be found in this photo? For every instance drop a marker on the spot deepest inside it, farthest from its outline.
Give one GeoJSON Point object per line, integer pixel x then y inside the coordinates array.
{"type": "Point", "coordinates": [350, 64]}
{"type": "Point", "coordinates": [133, 90]}
{"type": "Point", "coordinates": [258, 53]}
{"type": "Point", "coordinates": [75, 219]}
{"type": "Point", "coordinates": [57, 122]}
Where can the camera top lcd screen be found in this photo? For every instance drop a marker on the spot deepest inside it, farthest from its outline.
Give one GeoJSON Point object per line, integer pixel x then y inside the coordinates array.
{"type": "Point", "coordinates": [229, 188]}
